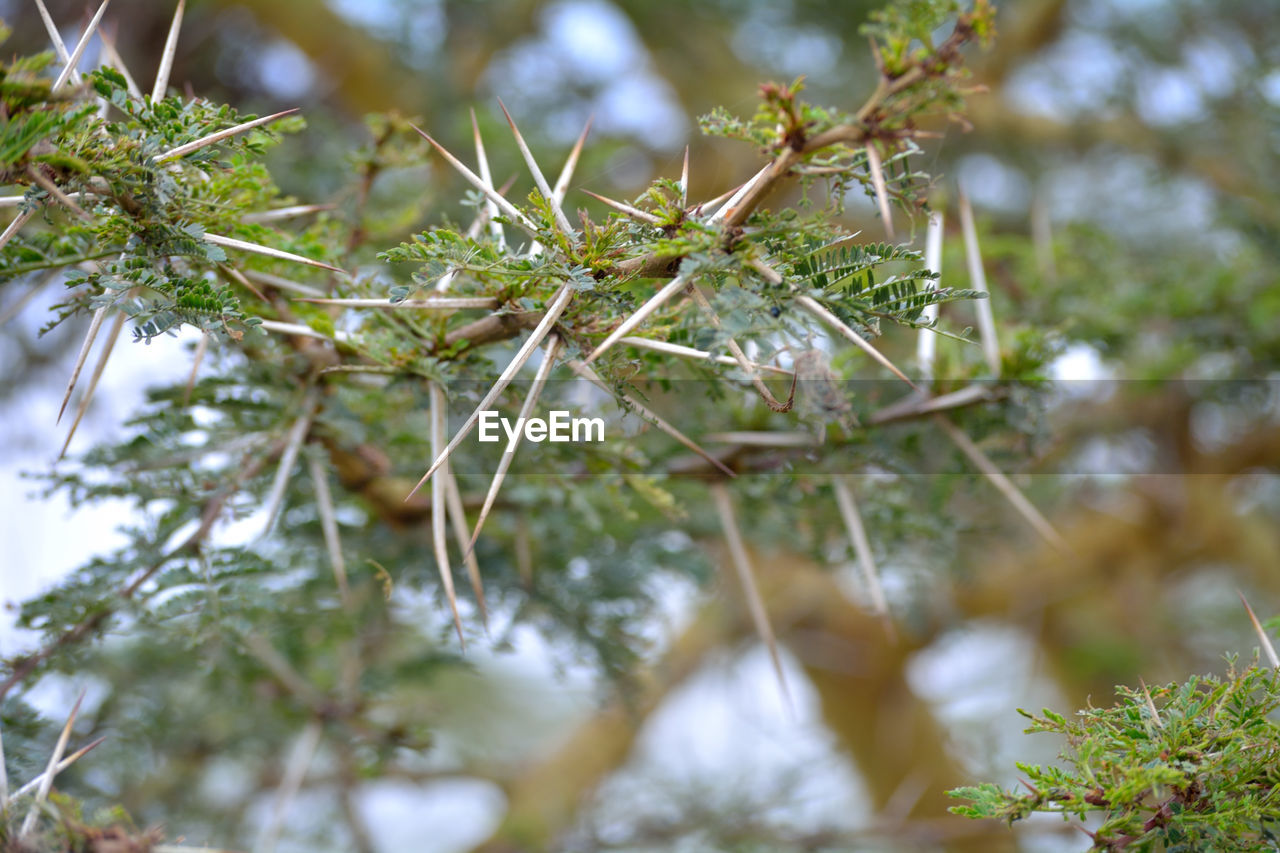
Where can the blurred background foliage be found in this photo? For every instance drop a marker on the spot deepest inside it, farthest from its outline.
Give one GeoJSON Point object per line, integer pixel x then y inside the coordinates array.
{"type": "Point", "coordinates": [1123, 165]}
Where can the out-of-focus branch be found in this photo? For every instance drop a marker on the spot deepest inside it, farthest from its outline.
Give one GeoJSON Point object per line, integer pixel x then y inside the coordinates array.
{"type": "Point", "coordinates": [999, 120]}
{"type": "Point", "coordinates": [862, 692]}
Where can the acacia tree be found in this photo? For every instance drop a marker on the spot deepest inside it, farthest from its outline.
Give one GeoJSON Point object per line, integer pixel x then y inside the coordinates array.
{"type": "Point", "coordinates": [739, 350]}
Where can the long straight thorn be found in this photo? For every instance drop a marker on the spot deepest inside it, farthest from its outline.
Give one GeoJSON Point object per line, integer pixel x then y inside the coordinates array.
{"type": "Point", "coordinates": [816, 308]}
{"type": "Point", "coordinates": [558, 303]}
{"type": "Point", "coordinates": [458, 520]}
{"type": "Point", "coordinates": [561, 188]}
{"type": "Point", "coordinates": [651, 416]}
{"type": "Point", "coordinates": [1268, 647]}
{"type": "Point", "coordinates": [244, 245]}
{"type": "Point", "coordinates": [698, 355]}
{"type": "Point", "coordinates": [736, 199]}
{"type": "Point", "coordinates": [329, 525]}
{"type": "Point", "coordinates": [74, 58]}
{"type": "Point", "coordinates": [495, 227]}
{"type": "Point", "coordinates": [286, 212]}
{"type": "Point", "coordinates": [978, 279]}
{"type": "Point", "coordinates": [862, 549]}
{"type": "Point", "coordinates": [484, 186]}
{"type": "Point", "coordinates": [622, 207]}
{"type": "Point", "coordinates": [15, 226]}
{"type": "Point", "coordinates": [926, 340]}
{"type": "Point", "coordinates": [876, 168]}
{"type": "Point", "coordinates": [94, 325]}
{"type": "Point", "coordinates": [113, 58]}
{"type": "Point", "coordinates": [509, 455]}
{"type": "Point", "coordinates": [439, 506]}
{"type": "Point", "coordinates": [295, 772]}
{"type": "Point", "coordinates": [50, 770]}
{"type": "Point", "coordinates": [56, 193]}
{"type": "Point", "coordinates": [59, 47]}
{"type": "Point", "coordinates": [201, 348]}
{"type": "Point", "coordinates": [219, 135]}
{"type": "Point", "coordinates": [1002, 483]}
{"type": "Point", "coordinates": [62, 765]}
{"type": "Point", "coordinates": [293, 443]}
{"type": "Point", "coordinates": [562, 222]}
{"type": "Point", "coordinates": [112, 337]}
{"type": "Point", "coordinates": [643, 313]}
{"type": "Point", "coordinates": [742, 565]}
{"type": "Point", "coordinates": [166, 58]}
{"type": "Point", "coordinates": [684, 179]}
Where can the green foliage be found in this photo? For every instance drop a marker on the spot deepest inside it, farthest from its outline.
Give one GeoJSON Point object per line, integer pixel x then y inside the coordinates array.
{"type": "Point", "coordinates": [172, 614]}
{"type": "Point", "coordinates": [1186, 766]}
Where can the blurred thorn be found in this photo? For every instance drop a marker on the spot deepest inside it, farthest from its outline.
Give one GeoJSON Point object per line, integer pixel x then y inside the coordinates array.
{"type": "Point", "coordinates": [438, 505]}
{"type": "Point", "coordinates": [1267, 647]}
{"type": "Point", "coordinates": [978, 280]}
{"type": "Point", "coordinates": [112, 337]}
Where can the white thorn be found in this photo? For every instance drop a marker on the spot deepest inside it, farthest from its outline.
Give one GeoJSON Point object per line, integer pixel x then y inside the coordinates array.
{"type": "Point", "coordinates": [74, 58]}
{"type": "Point", "coordinates": [166, 57]}
{"type": "Point", "coordinates": [978, 279]}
